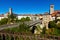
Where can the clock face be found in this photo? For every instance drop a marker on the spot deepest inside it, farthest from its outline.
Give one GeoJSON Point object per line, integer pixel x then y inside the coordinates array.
{"type": "Point", "coordinates": [51, 6]}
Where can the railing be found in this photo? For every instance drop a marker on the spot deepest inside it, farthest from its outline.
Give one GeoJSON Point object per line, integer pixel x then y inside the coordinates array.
{"type": "Point", "coordinates": [22, 36]}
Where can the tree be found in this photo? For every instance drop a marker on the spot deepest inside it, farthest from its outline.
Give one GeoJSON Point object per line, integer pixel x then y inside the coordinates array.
{"type": "Point", "coordinates": [17, 20]}
{"type": "Point", "coordinates": [52, 24]}
{"type": "Point", "coordinates": [23, 19]}
{"type": "Point", "coordinates": [23, 28]}
{"type": "Point", "coordinates": [11, 17]}
{"type": "Point", "coordinates": [27, 18]}
{"type": "Point", "coordinates": [3, 21]}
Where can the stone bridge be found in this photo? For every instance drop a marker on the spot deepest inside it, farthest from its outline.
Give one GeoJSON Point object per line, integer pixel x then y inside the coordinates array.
{"type": "Point", "coordinates": [30, 23]}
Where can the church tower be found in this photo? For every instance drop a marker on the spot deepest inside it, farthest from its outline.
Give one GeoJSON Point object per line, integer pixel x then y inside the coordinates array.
{"type": "Point", "coordinates": [51, 8]}
{"type": "Point", "coordinates": [10, 10]}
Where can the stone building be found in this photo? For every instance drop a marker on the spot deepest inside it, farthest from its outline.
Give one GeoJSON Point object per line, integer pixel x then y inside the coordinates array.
{"type": "Point", "coordinates": [46, 19]}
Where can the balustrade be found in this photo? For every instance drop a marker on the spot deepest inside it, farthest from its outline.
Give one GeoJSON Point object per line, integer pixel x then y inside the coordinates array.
{"type": "Point", "coordinates": [17, 36]}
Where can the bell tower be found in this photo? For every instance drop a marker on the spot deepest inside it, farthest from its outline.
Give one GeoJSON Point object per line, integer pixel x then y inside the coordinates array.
{"type": "Point", "coordinates": [10, 10]}
{"type": "Point", "coordinates": [51, 8]}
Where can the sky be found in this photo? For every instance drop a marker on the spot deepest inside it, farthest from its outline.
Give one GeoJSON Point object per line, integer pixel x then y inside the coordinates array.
{"type": "Point", "coordinates": [28, 6]}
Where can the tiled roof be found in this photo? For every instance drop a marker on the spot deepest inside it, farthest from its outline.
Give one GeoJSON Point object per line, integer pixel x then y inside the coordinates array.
{"type": "Point", "coordinates": [55, 12]}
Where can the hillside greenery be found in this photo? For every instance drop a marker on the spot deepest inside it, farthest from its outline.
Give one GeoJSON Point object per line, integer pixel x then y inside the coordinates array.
{"type": "Point", "coordinates": [54, 27]}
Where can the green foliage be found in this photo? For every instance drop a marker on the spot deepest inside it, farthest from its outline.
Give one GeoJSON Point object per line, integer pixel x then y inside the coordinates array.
{"type": "Point", "coordinates": [54, 27]}
{"type": "Point", "coordinates": [56, 32]}
{"type": "Point", "coordinates": [23, 19]}
{"type": "Point", "coordinates": [11, 17]}
{"type": "Point", "coordinates": [17, 20]}
{"type": "Point", "coordinates": [44, 30]}
{"type": "Point", "coordinates": [3, 21]}
{"type": "Point", "coordinates": [51, 31]}
{"type": "Point", "coordinates": [27, 19]}
{"type": "Point", "coordinates": [52, 24]}
{"type": "Point", "coordinates": [23, 28]}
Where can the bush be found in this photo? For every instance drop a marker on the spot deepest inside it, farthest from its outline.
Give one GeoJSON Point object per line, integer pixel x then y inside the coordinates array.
{"type": "Point", "coordinates": [44, 30]}
{"type": "Point", "coordinates": [52, 24]}
{"type": "Point", "coordinates": [25, 19]}
{"type": "Point", "coordinates": [3, 21]}
{"type": "Point", "coordinates": [23, 28]}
